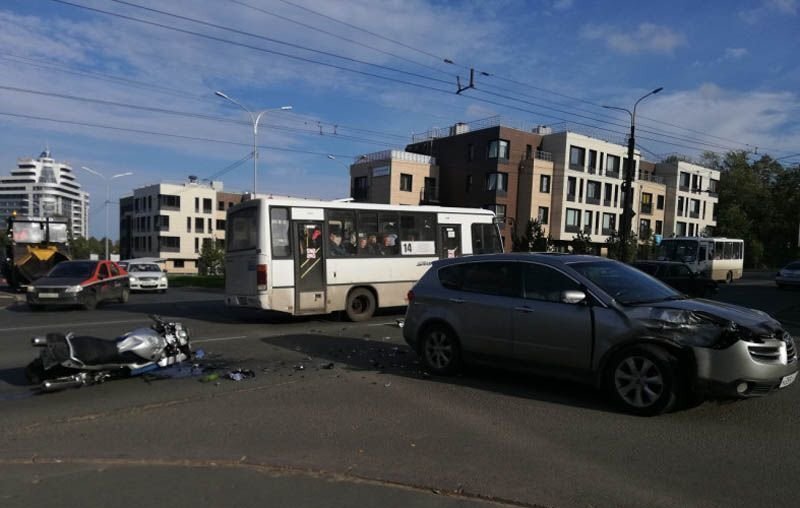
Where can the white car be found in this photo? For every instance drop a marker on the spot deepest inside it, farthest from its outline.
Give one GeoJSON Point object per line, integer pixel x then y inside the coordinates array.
{"type": "Point", "coordinates": [147, 277]}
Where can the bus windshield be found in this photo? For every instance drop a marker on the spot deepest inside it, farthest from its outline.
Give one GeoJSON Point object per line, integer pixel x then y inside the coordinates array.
{"type": "Point", "coordinates": [684, 251]}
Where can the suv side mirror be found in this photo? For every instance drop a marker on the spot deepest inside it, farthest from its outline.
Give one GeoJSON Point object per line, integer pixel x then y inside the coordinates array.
{"type": "Point", "coordinates": [573, 297]}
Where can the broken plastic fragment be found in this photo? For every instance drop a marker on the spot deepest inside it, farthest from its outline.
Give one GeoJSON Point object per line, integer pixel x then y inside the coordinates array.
{"type": "Point", "coordinates": [199, 354]}
{"type": "Point", "coordinates": [241, 374]}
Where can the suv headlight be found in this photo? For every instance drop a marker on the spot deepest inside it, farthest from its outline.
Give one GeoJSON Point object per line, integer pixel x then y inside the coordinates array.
{"type": "Point", "coordinates": [74, 289]}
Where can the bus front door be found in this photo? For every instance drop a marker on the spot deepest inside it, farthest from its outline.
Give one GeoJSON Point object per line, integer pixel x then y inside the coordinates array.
{"type": "Point", "coordinates": [309, 267]}
{"type": "Point", "coordinates": [450, 241]}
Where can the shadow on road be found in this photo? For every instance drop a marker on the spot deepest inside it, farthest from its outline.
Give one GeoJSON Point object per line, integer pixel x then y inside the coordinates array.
{"type": "Point", "coordinates": [14, 376]}
{"type": "Point", "coordinates": [371, 355]}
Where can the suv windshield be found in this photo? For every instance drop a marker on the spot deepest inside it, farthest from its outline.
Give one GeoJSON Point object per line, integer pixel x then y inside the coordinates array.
{"type": "Point", "coordinates": [625, 284]}
{"type": "Point", "coordinates": [73, 269]}
{"type": "Point", "coordinates": [144, 268]}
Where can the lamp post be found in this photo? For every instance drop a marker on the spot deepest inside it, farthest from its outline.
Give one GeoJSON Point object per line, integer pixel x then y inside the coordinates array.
{"type": "Point", "coordinates": [255, 118]}
{"type": "Point", "coordinates": [627, 210]}
{"type": "Point", "coordinates": [108, 192]}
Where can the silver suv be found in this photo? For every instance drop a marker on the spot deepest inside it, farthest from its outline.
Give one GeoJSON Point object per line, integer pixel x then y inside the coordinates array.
{"type": "Point", "coordinates": [598, 320]}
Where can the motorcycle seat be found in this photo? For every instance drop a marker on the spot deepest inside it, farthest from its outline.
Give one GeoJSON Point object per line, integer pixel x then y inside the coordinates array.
{"type": "Point", "coordinates": [94, 350]}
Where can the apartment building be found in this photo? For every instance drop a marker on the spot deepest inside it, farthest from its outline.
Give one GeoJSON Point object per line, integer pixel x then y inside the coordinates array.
{"type": "Point", "coordinates": [172, 221]}
{"type": "Point", "coordinates": [395, 177]}
{"type": "Point", "coordinates": [572, 182]}
{"type": "Point", "coordinates": [44, 187]}
{"type": "Point", "coordinates": [692, 197]}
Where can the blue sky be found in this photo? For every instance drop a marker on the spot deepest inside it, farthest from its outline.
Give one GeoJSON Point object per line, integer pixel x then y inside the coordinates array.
{"type": "Point", "coordinates": [730, 72]}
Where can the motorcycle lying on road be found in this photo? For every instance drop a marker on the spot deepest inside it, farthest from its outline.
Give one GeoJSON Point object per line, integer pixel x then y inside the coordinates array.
{"type": "Point", "coordinates": [71, 361]}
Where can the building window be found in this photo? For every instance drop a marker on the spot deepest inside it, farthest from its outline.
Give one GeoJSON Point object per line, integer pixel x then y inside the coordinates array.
{"type": "Point", "coordinates": [498, 149]}
{"type": "Point", "coordinates": [609, 223]}
{"type": "Point", "coordinates": [196, 244]}
{"type": "Point", "coordinates": [612, 165]}
{"type": "Point", "coordinates": [684, 181]}
{"type": "Point", "coordinates": [169, 243]}
{"type": "Point", "coordinates": [644, 229]}
{"type": "Point", "coordinates": [210, 226]}
{"type": "Point", "coordinates": [544, 215]}
{"type": "Point", "coordinates": [577, 158]}
{"type": "Point", "coordinates": [587, 222]}
{"type": "Point", "coordinates": [593, 161]}
{"type": "Point", "coordinates": [207, 205]}
{"type": "Point", "coordinates": [573, 221]}
{"type": "Point", "coordinates": [165, 201]}
{"type": "Point", "coordinates": [360, 188]}
{"type": "Point", "coordinates": [497, 182]}
{"type": "Point", "coordinates": [188, 224]}
{"type": "Point", "coordinates": [220, 206]}
{"type": "Point", "coordinates": [499, 211]}
{"type": "Point", "coordinates": [469, 183]}
{"type": "Point", "coordinates": [406, 181]}
{"type": "Point", "coordinates": [647, 203]}
{"type": "Point", "coordinates": [528, 152]}
{"type": "Point", "coordinates": [162, 223]}
{"type": "Point", "coordinates": [220, 225]}
{"type": "Point", "coordinates": [197, 205]}
{"type": "Point", "coordinates": [199, 225]}
{"type": "Point", "coordinates": [680, 206]}
{"type": "Point", "coordinates": [177, 263]}
{"type": "Point", "coordinates": [694, 209]}
{"type": "Point", "coordinates": [660, 202]}
{"type": "Point", "coordinates": [572, 183]}
{"type": "Point", "coordinates": [470, 152]}
{"type": "Point", "coordinates": [544, 183]}
{"type": "Point", "coordinates": [680, 229]}
{"type": "Point", "coordinates": [659, 227]}
{"type": "Point", "coordinates": [593, 192]}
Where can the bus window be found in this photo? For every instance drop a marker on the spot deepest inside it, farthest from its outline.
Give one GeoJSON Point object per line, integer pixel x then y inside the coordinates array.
{"type": "Point", "coordinates": [367, 234]}
{"type": "Point", "coordinates": [388, 231]}
{"type": "Point", "coordinates": [718, 248]}
{"type": "Point", "coordinates": [485, 239]}
{"type": "Point", "coordinates": [242, 231]}
{"type": "Point", "coordinates": [702, 255]}
{"type": "Point", "coordinates": [728, 251]}
{"type": "Point", "coordinates": [279, 231]}
{"type": "Point", "coordinates": [58, 233]}
{"type": "Point", "coordinates": [342, 233]}
{"type": "Point", "coordinates": [417, 234]}
{"type": "Point", "coordinates": [738, 250]}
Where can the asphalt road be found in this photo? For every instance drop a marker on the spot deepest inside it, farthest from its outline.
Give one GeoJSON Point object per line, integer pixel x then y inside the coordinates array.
{"type": "Point", "coordinates": [371, 430]}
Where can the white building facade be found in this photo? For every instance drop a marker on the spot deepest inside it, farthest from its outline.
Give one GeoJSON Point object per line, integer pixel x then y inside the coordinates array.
{"type": "Point", "coordinates": [42, 187]}
{"type": "Point", "coordinates": [691, 208]}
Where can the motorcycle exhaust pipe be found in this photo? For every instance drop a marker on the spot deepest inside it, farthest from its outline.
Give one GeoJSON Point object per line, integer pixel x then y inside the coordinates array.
{"type": "Point", "coordinates": [54, 385]}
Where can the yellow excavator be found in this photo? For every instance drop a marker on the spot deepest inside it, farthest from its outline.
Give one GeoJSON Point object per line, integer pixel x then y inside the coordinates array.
{"type": "Point", "coordinates": [34, 245]}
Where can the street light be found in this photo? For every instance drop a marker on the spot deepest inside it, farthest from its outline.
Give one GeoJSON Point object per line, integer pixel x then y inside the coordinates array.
{"type": "Point", "coordinates": [108, 191]}
{"type": "Point", "coordinates": [255, 118]}
{"type": "Point", "coordinates": [627, 210]}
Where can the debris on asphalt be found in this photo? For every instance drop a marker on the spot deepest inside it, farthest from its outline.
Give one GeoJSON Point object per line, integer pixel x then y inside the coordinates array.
{"type": "Point", "coordinates": [199, 354]}
{"type": "Point", "coordinates": [299, 366]}
{"type": "Point", "coordinates": [240, 374]}
{"type": "Point", "coordinates": [214, 376]}
{"type": "Point", "coordinates": [400, 322]}
{"type": "Point", "coordinates": [326, 366]}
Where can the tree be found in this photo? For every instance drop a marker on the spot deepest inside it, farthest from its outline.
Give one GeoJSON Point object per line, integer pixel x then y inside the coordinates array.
{"type": "Point", "coordinates": [582, 244]}
{"type": "Point", "coordinates": [532, 239]}
{"type": "Point", "coordinates": [625, 253]}
{"type": "Point", "coordinates": [212, 258]}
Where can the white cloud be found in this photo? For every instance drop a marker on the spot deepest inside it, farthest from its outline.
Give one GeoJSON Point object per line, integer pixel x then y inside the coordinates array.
{"type": "Point", "coordinates": [561, 5]}
{"type": "Point", "coordinates": [647, 38]}
{"type": "Point", "coordinates": [767, 9]}
{"type": "Point", "coordinates": [761, 118]}
{"type": "Point", "coordinates": [735, 53]}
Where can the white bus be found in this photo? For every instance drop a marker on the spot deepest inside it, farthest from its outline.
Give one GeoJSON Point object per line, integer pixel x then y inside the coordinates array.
{"type": "Point", "coordinates": [718, 258]}
{"type": "Point", "coordinates": [314, 257]}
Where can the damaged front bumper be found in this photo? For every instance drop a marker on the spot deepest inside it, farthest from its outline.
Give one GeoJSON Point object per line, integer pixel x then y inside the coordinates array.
{"type": "Point", "coordinates": [745, 369]}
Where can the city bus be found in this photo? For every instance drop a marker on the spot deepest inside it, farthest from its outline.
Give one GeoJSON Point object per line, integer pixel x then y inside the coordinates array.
{"type": "Point", "coordinates": [314, 257]}
{"type": "Point", "coordinates": [718, 258]}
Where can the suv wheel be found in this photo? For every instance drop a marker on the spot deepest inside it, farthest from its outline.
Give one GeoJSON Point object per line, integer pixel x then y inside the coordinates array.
{"type": "Point", "coordinates": [440, 350]}
{"type": "Point", "coordinates": [643, 381]}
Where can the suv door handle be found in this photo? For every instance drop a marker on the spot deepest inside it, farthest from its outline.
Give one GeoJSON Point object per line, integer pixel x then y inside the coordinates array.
{"type": "Point", "coordinates": [523, 309]}
{"type": "Point", "coordinates": [456, 300]}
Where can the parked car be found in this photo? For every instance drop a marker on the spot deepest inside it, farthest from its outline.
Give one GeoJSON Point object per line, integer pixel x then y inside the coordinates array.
{"type": "Point", "coordinates": [597, 320]}
{"type": "Point", "coordinates": [84, 283]}
{"type": "Point", "coordinates": [789, 275]}
{"type": "Point", "coordinates": [680, 276]}
{"type": "Point", "coordinates": [147, 277]}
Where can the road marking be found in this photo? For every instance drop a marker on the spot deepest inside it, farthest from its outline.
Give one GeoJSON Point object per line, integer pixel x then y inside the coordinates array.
{"type": "Point", "coordinates": [72, 325]}
{"type": "Point", "coordinates": [218, 339]}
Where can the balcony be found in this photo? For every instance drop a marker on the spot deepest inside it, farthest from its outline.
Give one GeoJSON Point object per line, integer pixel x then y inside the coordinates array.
{"type": "Point", "coordinates": [694, 215]}
{"type": "Point", "coordinates": [684, 188]}
{"type": "Point", "coordinates": [570, 197]}
{"type": "Point", "coordinates": [545, 156]}
{"type": "Point", "coordinates": [576, 167]}
{"type": "Point", "coordinates": [612, 173]}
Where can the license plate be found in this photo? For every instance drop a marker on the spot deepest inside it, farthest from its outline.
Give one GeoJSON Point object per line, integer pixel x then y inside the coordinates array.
{"type": "Point", "coordinates": [48, 295]}
{"type": "Point", "coordinates": [786, 381]}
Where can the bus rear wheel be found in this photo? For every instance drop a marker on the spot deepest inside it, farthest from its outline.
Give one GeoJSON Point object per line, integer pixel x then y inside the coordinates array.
{"type": "Point", "coordinates": [729, 277]}
{"type": "Point", "coordinates": [360, 304]}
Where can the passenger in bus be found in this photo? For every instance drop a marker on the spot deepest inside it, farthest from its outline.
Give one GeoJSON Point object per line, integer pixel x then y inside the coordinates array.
{"type": "Point", "coordinates": [335, 244]}
{"type": "Point", "coordinates": [364, 247]}
{"type": "Point", "coordinates": [389, 247]}
{"type": "Point", "coordinates": [372, 245]}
